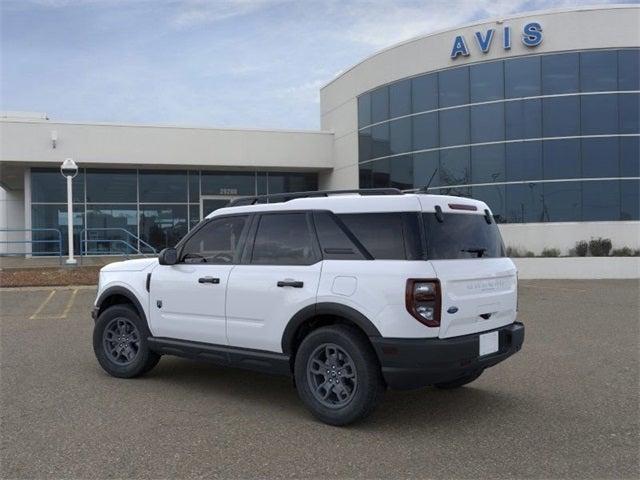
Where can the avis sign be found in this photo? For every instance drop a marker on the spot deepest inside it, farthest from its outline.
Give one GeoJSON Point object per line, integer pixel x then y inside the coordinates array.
{"type": "Point", "coordinates": [531, 37]}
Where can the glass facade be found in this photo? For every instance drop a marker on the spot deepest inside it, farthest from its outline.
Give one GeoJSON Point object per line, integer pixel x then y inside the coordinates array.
{"type": "Point", "coordinates": [113, 208]}
{"type": "Point", "coordinates": [544, 138]}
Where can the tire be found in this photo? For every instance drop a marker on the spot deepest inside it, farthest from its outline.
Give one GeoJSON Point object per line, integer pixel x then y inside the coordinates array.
{"type": "Point", "coordinates": [459, 382]}
{"type": "Point", "coordinates": [354, 385]}
{"type": "Point", "coordinates": [132, 357]}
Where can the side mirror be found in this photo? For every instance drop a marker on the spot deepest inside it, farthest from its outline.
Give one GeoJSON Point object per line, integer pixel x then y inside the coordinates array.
{"type": "Point", "coordinates": [168, 256]}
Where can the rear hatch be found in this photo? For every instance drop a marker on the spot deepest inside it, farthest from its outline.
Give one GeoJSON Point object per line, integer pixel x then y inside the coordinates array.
{"type": "Point", "coordinates": [478, 283]}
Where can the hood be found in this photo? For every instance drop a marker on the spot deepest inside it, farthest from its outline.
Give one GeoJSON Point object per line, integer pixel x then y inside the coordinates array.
{"type": "Point", "coordinates": [136, 265]}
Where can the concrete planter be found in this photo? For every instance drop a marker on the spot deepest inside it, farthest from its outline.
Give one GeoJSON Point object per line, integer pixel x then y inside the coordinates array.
{"type": "Point", "coordinates": [578, 267]}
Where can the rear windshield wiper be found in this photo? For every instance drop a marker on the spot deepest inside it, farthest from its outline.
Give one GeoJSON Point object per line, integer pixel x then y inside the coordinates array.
{"type": "Point", "coordinates": [477, 251]}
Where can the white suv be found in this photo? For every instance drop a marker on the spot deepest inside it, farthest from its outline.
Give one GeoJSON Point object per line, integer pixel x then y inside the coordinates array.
{"type": "Point", "coordinates": [348, 292]}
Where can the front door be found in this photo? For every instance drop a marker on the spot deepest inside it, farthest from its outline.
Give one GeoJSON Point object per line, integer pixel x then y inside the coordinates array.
{"type": "Point", "coordinates": [187, 300]}
{"type": "Point", "coordinates": [209, 203]}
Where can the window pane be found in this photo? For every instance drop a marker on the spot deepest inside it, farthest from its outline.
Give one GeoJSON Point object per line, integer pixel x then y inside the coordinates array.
{"type": "Point", "coordinates": [380, 233]}
{"type": "Point", "coordinates": [524, 203]}
{"type": "Point", "coordinates": [400, 98]}
{"type": "Point", "coordinates": [380, 140]}
{"type": "Point", "coordinates": [283, 239]}
{"type": "Point", "coordinates": [600, 157]}
{"type": "Point", "coordinates": [629, 70]}
{"type": "Point", "coordinates": [262, 183]}
{"type": "Point", "coordinates": [194, 215]}
{"type": "Point", "coordinates": [629, 113]}
{"type": "Point", "coordinates": [599, 114]}
{"type": "Point", "coordinates": [599, 71]}
{"type": "Point", "coordinates": [228, 183]}
{"type": "Point", "coordinates": [424, 166]}
{"type": "Point", "coordinates": [487, 164]}
{"type": "Point", "coordinates": [400, 135]}
{"type": "Point", "coordinates": [381, 173]}
{"type": "Point", "coordinates": [560, 73]}
{"type": "Point", "coordinates": [523, 119]}
{"type": "Point", "coordinates": [364, 110]}
{"type": "Point", "coordinates": [454, 166]}
{"type": "Point", "coordinates": [561, 159]}
{"type": "Point", "coordinates": [630, 156]}
{"type": "Point", "coordinates": [163, 186]}
{"type": "Point", "coordinates": [453, 87]}
{"type": "Point", "coordinates": [215, 243]}
{"type": "Point", "coordinates": [112, 186]}
{"type": "Point", "coordinates": [402, 172]}
{"type": "Point", "coordinates": [487, 123]}
{"type": "Point", "coordinates": [425, 131]}
{"type": "Point", "coordinates": [523, 161]}
{"type": "Point", "coordinates": [48, 185]}
{"type": "Point", "coordinates": [600, 201]}
{"type": "Point", "coordinates": [522, 77]}
{"type": "Point", "coordinates": [107, 227]}
{"type": "Point", "coordinates": [163, 226]}
{"type": "Point", "coordinates": [292, 182]}
{"type": "Point", "coordinates": [194, 186]}
{"type": "Point", "coordinates": [454, 127]}
{"type": "Point", "coordinates": [53, 217]}
{"type": "Point", "coordinates": [380, 105]}
{"type": "Point", "coordinates": [492, 195]}
{"type": "Point", "coordinates": [364, 173]}
{"type": "Point", "coordinates": [562, 202]}
{"type": "Point", "coordinates": [334, 242]}
{"type": "Point", "coordinates": [424, 92]}
{"type": "Point", "coordinates": [365, 145]}
{"type": "Point", "coordinates": [561, 116]}
{"type": "Point", "coordinates": [487, 81]}
{"type": "Point", "coordinates": [630, 200]}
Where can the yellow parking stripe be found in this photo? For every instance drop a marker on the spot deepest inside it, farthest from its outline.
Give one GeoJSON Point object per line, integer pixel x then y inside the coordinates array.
{"type": "Point", "coordinates": [42, 305]}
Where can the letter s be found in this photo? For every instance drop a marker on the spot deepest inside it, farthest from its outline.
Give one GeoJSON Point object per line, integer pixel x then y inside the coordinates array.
{"type": "Point", "coordinates": [532, 34]}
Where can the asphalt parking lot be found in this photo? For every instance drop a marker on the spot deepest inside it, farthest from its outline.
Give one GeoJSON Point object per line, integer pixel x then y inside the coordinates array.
{"type": "Point", "coordinates": [565, 407]}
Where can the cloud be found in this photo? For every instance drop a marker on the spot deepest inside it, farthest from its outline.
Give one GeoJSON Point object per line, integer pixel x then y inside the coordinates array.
{"type": "Point", "coordinates": [200, 12]}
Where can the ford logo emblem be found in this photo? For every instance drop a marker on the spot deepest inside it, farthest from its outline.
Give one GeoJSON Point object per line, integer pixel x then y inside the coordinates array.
{"type": "Point", "coordinates": [452, 310]}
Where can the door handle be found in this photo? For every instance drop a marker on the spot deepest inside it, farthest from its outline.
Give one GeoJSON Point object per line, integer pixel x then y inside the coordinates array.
{"type": "Point", "coordinates": [290, 283]}
{"type": "Point", "coordinates": [209, 280]}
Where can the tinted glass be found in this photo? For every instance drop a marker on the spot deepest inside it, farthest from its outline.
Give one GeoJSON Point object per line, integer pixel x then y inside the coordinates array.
{"type": "Point", "coordinates": [599, 114]}
{"type": "Point", "coordinates": [48, 185]}
{"type": "Point", "coordinates": [424, 93]}
{"type": "Point", "coordinates": [424, 166]}
{"type": "Point", "coordinates": [402, 172]}
{"type": "Point", "coordinates": [334, 242]}
{"type": "Point", "coordinates": [487, 164]}
{"type": "Point", "coordinates": [400, 98]}
{"type": "Point", "coordinates": [629, 157]}
{"type": "Point", "coordinates": [380, 105]}
{"type": "Point", "coordinates": [364, 110]}
{"type": "Point", "coordinates": [494, 196]}
{"type": "Point", "coordinates": [365, 145]}
{"type": "Point", "coordinates": [381, 173]}
{"type": "Point", "coordinates": [216, 242]}
{"type": "Point", "coordinates": [453, 87]}
{"type": "Point", "coordinates": [487, 81]}
{"type": "Point", "coordinates": [194, 186]}
{"type": "Point", "coordinates": [561, 116]}
{"type": "Point", "coordinates": [561, 159]}
{"type": "Point", "coordinates": [560, 73]}
{"type": "Point", "coordinates": [454, 127]}
{"type": "Point", "coordinates": [380, 140]}
{"type": "Point", "coordinates": [523, 161]}
{"type": "Point", "coordinates": [523, 119]}
{"type": "Point", "coordinates": [460, 236]}
{"type": "Point", "coordinates": [425, 131]}
{"type": "Point", "coordinates": [380, 233]}
{"type": "Point", "coordinates": [629, 113]}
{"type": "Point", "coordinates": [454, 166]}
{"type": "Point", "coordinates": [163, 186]}
{"type": "Point", "coordinates": [522, 77]}
{"type": "Point", "coordinates": [629, 70]}
{"type": "Point", "coordinates": [194, 215]}
{"type": "Point", "coordinates": [600, 201]}
{"type": "Point", "coordinates": [599, 71]}
{"type": "Point", "coordinates": [228, 183]}
{"type": "Point", "coordinates": [400, 135]}
{"type": "Point", "coordinates": [53, 217]}
{"type": "Point", "coordinates": [112, 222]}
{"type": "Point", "coordinates": [487, 123]}
{"type": "Point", "coordinates": [630, 200]}
{"type": "Point", "coordinates": [524, 203]}
{"type": "Point", "coordinates": [261, 183]}
{"type": "Point", "coordinates": [562, 202]}
{"type": "Point", "coordinates": [284, 239]}
{"type": "Point", "coordinates": [292, 182]}
{"type": "Point", "coordinates": [364, 173]}
{"type": "Point", "coordinates": [163, 226]}
{"type": "Point", "coordinates": [600, 157]}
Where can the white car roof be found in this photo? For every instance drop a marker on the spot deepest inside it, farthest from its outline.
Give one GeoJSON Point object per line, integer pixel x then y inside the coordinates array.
{"type": "Point", "coordinates": [355, 203]}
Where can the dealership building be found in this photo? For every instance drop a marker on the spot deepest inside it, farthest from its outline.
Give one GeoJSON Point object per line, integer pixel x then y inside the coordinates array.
{"type": "Point", "coordinates": [536, 114]}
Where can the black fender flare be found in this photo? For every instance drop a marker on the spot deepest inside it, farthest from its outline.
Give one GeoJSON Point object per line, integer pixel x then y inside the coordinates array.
{"type": "Point", "coordinates": [125, 292]}
{"type": "Point", "coordinates": [326, 308]}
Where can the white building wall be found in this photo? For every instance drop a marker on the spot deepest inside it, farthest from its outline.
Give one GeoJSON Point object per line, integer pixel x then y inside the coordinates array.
{"type": "Point", "coordinates": [11, 217]}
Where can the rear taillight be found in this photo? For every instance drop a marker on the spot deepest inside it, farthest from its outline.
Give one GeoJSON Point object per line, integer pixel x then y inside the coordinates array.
{"type": "Point", "coordinates": [423, 301]}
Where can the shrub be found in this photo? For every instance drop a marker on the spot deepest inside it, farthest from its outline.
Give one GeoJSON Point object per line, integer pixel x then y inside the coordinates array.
{"type": "Point", "coordinates": [581, 248]}
{"type": "Point", "coordinates": [624, 252]}
{"type": "Point", "coordinates": [518, 252]}
{"type": "Point", "coordinates": [600, 247]}
{"type": "Point", "coordinates": [550, 252]}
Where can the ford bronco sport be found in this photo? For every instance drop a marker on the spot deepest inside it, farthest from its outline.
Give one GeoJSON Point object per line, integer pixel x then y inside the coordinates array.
{"type": "Point", "coordinates": [348, 292]}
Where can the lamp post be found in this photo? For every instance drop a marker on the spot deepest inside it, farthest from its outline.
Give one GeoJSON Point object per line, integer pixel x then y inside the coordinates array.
{"type": "Point", "coordinates": [69, 169]}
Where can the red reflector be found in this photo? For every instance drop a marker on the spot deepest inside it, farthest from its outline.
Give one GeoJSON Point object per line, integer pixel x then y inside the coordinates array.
{"type": "Point", "coordinates": [462, 206]}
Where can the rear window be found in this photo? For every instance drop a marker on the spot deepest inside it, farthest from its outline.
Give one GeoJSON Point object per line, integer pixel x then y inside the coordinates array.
{"type": "Point", "coordinates": [461, 235]}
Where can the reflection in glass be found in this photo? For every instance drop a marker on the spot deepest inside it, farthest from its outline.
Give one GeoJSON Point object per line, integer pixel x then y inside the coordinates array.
{"type": "Point", "coordinates": [380, 105]}
{"type": "Point", "coordinates": [453, 87]}
{"type": "Point", "coordinates": [494, 196]}
{"type": "Point", "coordinates": [364, 173]}
{"type": "Point", "coordinates": [364, 110]}
{"type": "Point", "coordinates": [380, 140]}
{"type": "Point", "coordinates": [112, 186]}
{"type": "Point", "coordinates": [402, 172]}
{"type": "Point", "coordinates": [194, 186]}
{"type": "Point", "coordinates": [454, 166]}
{"type": "Point", "coordinates": [292, 182]}
{"type": "Point", "coordinates": [522, 77]}
{"type": "Point", "coordinates": [523, 161]}
{"type": "Point", "coordinates": [600, 157]}
{"type": "Point", "coordinates": [454, 127]}
{"type": "Point", "coordinates": [163, 186]}
{"type": "Point", "coordinates": [600, 201]}
{"type": "Point", "coordinates": [487, 81]}
{"type": "Point", "coordinates": [425, 131]}
{"type": "Point", "coordinates": [523, 119]}
{"type": "Point", "coordinates": [424, 166]}
{"type": "Point", "coordinates": [381, 173]}
{"type": "Point", "coordinates": [107, 226]}
{"type": "Point", "coordinates": [629, 69]}
{"type": "Point", "coordinates": [365, 145]}
{"type": "Point", "coordinates": [561, 159]}
{"type": "Point", "coordinates": [524, 203]}
{"type": "Point", "coordinates": [163, 226]}
{"type": "Point", "coordinates": [49, 186]}
{"type": "Point", "coordinates": [424, 93]}
{"type": "Point", "coordinates": [55, 217]}
{"type": "Point", "coordinates": [630, 200]}
{"type": "Point", "coordinates": [487, 164]}
{"type": "Point", "coordinates": [599, 71]}
{"type": "Point", "coordinates": [629, 113]}
{"type": "Point", "coordinates": [561, 201]}
{"type": "Point", "coordinates": [561, 116]}
{"type": "Point", "coordinates": [560, 73]}
{"type": "Point", "coordinates": [599, 114]}
{"type": "Point", "coordinates": [228, 183]}
{"type": "Point", "coordinates": [629, 157]}
{"type": "Point", "coordinates": [400, 135]}
{"type": "Point", "coordinates": [400, 98]}
{"type": "Point", "coordinates": [487, 123]}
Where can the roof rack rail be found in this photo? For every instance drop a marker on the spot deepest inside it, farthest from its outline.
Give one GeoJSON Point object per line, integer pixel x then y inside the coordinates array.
{"type": "Point", "coordinates": [285, 197]}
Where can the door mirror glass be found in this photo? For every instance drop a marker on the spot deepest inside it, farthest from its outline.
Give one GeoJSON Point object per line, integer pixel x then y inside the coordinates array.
{"type": "Point", "coordinates": [168, 256]}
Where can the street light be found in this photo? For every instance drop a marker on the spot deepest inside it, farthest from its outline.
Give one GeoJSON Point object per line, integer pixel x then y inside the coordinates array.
{"type": "Point", "coordinates": [69, 169]}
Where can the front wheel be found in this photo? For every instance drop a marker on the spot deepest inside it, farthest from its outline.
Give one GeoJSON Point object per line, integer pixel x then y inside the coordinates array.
{"type": "Point", "coordinates": [337, 375]}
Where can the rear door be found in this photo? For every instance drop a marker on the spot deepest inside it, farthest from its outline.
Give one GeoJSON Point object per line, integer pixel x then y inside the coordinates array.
{"type": "Point", "coordinates": [478, 283]}
{"type": "Point", "coordinates": [279, 276]}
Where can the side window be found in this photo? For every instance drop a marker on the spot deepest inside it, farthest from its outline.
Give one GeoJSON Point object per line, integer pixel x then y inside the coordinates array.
{"type": "Point", "coordinates": [334, 242]}
{"type": "Point", "coordinates": [216, 242]}
{"type": "Point", "coordinates": [284, 239]}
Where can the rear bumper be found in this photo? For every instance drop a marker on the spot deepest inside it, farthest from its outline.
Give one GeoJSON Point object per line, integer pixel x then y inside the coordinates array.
{"type": "Point", "coordinates": [409, 363]}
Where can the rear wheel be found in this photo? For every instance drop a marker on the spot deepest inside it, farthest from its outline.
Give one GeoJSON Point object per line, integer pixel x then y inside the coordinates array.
{"type": "Point", "coordinates": [120, 343]}
{"type": "Point", "coordinates": [337, 375]}
{"type": "Point", "coordinates": [459, 382]}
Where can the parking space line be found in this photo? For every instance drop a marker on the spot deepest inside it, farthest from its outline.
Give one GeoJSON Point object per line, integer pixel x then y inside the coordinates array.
{"type": "Point", "coordinates": [69, 304]}
{"type": "Point", "coordinates": [42, 305]}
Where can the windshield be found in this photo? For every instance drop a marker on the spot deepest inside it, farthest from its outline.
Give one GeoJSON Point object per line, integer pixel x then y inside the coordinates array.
{"type": "Point", "coordinates": [461, 235]}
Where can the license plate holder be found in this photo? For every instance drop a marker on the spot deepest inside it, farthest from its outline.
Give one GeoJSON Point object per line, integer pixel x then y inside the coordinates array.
{"type": "Point", "coordinates": [489, 343]}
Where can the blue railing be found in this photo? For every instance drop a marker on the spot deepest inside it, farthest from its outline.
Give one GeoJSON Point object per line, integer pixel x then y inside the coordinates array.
{"type": "Point", "coordinates": [131, 243]}
{"type": "Point", "coordinates": [57, 241]}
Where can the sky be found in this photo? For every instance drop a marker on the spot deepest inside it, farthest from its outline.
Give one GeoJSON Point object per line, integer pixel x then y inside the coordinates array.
{"type": "Point", "coordinates": [218, 63]}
